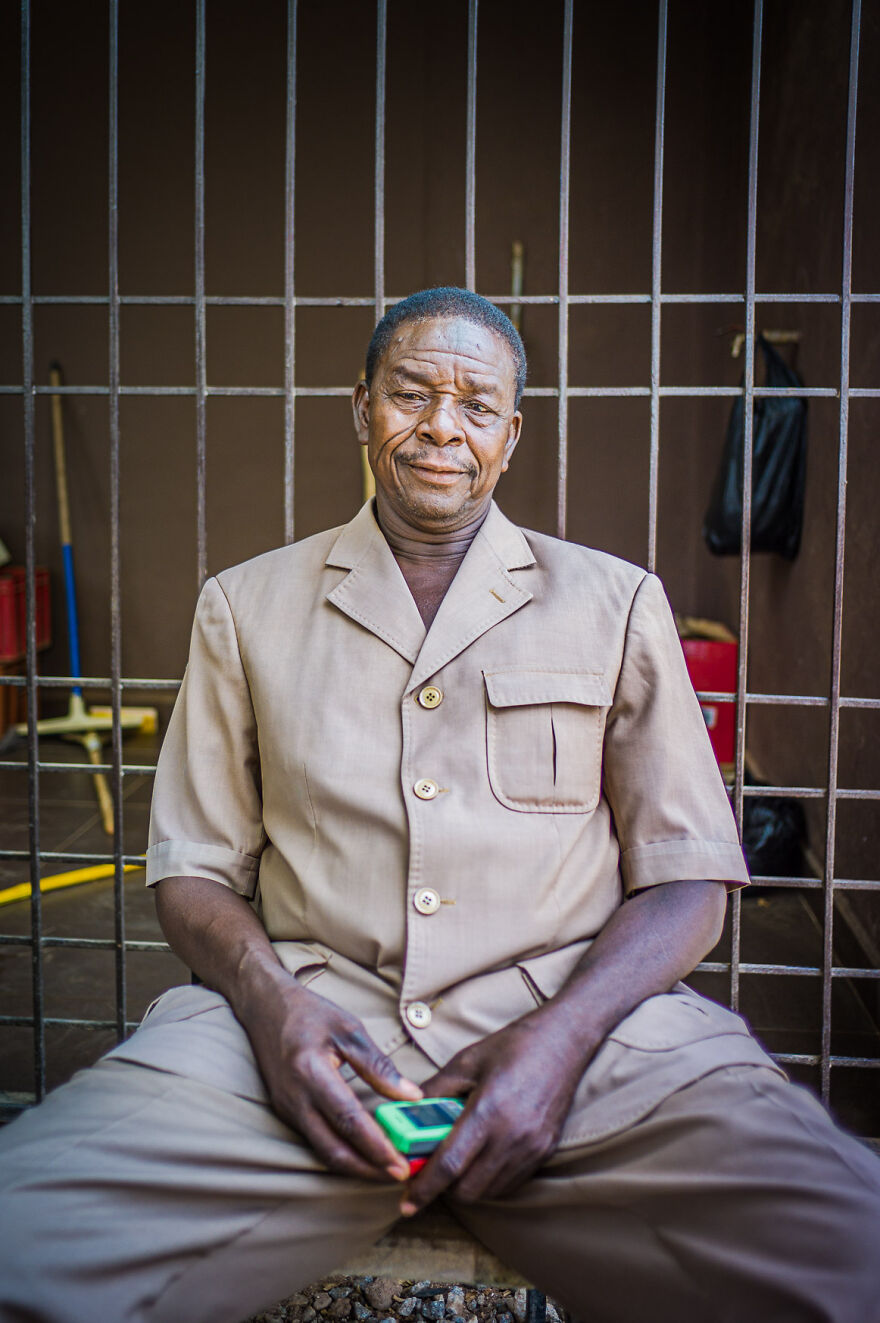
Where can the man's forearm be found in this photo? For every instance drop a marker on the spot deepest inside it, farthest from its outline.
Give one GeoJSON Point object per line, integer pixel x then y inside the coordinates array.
{"type": "Point", "coordinates": [651, 942]}
{"type": "Point", "coordinates": [217, 934]}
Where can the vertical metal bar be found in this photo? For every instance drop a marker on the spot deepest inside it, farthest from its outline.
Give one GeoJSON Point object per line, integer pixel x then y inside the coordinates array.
{"type": "Point", "coordinates": [839, 550]}
{"type": "Point", "coordinates": [379, 161]}
{"type": "Point", "coordinates": [470, 174]}
{"type": "Point", "coordinates": [201, 372]}
{"type": "Point", "coordinates": [115, 592]}
{"type": "Point", "coordinates": [656, 286]}
{"type": "Point", "coordinates": [29, 402]}
{"type": "Point", "coordinates": [564, 199]}
{"type": "Point", "coordinates": [748, 437]}
{"type": "Point", "coordinates": [289, 275]}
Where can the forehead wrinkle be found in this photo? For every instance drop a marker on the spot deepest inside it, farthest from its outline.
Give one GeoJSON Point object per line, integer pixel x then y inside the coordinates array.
{"type": "Point", "coordinates": [425, 370]}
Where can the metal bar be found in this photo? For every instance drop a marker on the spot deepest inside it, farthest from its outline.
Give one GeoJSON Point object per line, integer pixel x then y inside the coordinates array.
{"type": "Point", "coordinates": [470, 170]}
{"type": "Point", "coordinates": [199, 304]}
{"type": "Point", "coordinates": [656, 285]}
{"type": "Point", "coordinates": [85, 943]}
{"type": "Point", "coordinates": [748, 421]}
{"type": "Point", "coordinates": [67, 856]}
{"type": "Point", "coordinates": [366, 301]}
{"type": "Point", "coordinates": [89, 682]}
{"type": "Point", "coordinates": [87, 769]}
{"type": "Point", "coordinates": [692, 392]}
{"type": "Point", "coordinates": [56, 1020]}
{"type": "Point", "coordinates": [115, 592]}
{"type": "Point", "coordinates": [379, 162]}
{"type": "Point", "coordinates": [289, 275]}
{"type": "Point", "coordinates": [802, 971]}
{"type": "Point", "coordinates": [564, 210]}
{"type": "Point", "coordinates": [839, 550]}
{"type": "Point", "coordinates": [29, 403]}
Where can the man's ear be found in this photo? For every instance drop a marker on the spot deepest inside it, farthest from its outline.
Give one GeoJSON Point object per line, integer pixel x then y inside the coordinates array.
{"type": "Point", "coordinates": [360, 404]}
{"type": "Point", "coordinates": [512, 437]}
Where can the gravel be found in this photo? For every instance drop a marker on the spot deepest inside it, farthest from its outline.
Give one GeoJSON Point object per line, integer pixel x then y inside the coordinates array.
{"type": "Point", "coordinates": [377, 1299]}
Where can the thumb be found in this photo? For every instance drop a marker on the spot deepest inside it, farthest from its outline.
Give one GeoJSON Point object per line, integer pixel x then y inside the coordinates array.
{"type": "Point", "coordinates": [453, 1080]}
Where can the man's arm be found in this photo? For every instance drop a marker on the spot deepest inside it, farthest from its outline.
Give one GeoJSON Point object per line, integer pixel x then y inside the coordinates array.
{"type": "Point", "coordinates": [300, 1040]}
{"type": "Point", "coordinates": [521, 1081]}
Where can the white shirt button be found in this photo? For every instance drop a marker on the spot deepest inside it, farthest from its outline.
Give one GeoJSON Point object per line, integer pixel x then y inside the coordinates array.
{"type": "Point", "coordinates": [430, 696]}
{"type": "Point", "coordinates": [426, 789]}
{"type": "Point", "coordinates": [426, 901]}
{"type": "Point", "coordinates": [419, 1014]}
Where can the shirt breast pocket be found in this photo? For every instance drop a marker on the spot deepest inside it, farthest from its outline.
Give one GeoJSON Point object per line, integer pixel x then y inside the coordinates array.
{"type": "Point", "coordinates": [544, 733]}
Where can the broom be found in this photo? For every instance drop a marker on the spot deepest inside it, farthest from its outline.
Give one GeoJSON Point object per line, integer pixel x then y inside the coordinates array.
{"type": "Point", "coordinates": [81, 724]}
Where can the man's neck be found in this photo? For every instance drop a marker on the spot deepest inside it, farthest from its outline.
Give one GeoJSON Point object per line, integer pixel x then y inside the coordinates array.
{"type": "Point", "coordinates": [428, 560]}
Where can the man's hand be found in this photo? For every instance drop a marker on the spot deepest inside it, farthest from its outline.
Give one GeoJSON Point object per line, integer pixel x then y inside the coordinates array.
{"type": "Point", "coordinates": [521, 1081]}
{"type": "Point", "coordinates": [300, 1040]}
{"type": "Point", "coordinates": [520, 1084]}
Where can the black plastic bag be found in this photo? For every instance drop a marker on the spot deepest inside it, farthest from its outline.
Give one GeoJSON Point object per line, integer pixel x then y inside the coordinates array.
{"type": "Point", "coordinates": [774, 834]}
{"type": "Point", "coordinates": [779, 468]}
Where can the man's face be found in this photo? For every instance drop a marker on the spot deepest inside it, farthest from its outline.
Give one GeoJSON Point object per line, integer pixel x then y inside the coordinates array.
{"type": "Point", "coordinates": [439, 421]}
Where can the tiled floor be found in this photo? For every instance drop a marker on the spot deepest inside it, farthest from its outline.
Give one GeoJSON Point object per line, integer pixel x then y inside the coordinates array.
{"type": "Point", "coordinates": [777, 926]}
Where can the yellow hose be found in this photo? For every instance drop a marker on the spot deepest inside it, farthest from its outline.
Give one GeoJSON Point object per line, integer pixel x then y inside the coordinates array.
{"type": "Point", "coordinates": [72, 879]}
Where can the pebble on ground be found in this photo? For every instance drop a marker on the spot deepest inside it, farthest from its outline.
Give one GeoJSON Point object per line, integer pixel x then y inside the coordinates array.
{"type": "Point", "coordinates": [376, 1299]}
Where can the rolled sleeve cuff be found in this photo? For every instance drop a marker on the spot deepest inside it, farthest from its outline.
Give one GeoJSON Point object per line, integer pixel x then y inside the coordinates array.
{"type": "Point", "coordinates": [191, 859]}
{"type": "Point", "coordinates": [673, 861]}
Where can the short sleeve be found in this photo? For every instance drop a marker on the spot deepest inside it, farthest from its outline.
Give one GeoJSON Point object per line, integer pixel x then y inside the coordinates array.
{"type": "Point", "coordinates": [206, 816]}
{"type": "Point", "coordinates": [671, 810]}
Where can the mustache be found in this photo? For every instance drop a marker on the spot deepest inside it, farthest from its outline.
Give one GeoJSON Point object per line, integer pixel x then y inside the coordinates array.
{"type": "Point", "coordinates": [426, 457]}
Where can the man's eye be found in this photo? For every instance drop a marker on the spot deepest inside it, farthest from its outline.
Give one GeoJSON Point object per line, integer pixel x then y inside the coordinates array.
{"type": "Point", "coordinates": [411, 396]}
{"type": "Point", "coordinates": [476, 406]}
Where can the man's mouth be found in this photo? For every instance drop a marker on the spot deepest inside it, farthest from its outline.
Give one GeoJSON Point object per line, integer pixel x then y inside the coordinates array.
{"type": "Point", "coordinates": [433, 472]}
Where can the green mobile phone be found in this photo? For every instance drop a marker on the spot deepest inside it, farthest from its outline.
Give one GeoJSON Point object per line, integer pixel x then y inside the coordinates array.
{"type": "Point", "coordinates": [416, 1128]}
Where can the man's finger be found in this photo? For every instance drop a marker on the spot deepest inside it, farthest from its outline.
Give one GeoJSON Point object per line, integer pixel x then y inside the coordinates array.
{"type": "Point", "coordinates": [350, 1121]}
{"type": "Point", "coordinates": [377, 1069]}
{"type": "Point", "coordinates": [453, 1081]}
{"type": "Point", "coordinates": [334, 1151]}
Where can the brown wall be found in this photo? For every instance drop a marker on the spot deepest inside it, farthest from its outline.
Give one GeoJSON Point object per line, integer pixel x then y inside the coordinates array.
{"type": "Point", "coordinates": [704, 237]}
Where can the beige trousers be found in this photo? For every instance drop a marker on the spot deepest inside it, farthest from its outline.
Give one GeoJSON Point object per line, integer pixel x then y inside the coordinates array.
{"type": "Point", "coordinates": [133, 1193]}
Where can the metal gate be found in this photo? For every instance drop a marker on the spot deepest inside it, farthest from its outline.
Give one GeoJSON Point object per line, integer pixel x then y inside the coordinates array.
{"type": "Point", "coordinates": [39, 764]}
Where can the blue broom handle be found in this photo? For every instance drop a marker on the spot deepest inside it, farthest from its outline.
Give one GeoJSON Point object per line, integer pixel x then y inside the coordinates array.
{"type": "Point", "coordinates": [72, 621]}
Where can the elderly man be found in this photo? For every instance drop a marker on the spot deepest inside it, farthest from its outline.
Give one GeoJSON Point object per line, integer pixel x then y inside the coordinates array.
{"type": "Point", "coordinates": [437, 813]}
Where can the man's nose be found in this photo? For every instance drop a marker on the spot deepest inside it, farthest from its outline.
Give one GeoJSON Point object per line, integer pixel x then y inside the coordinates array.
{"type": "Point", "coordinates": [439, 424]}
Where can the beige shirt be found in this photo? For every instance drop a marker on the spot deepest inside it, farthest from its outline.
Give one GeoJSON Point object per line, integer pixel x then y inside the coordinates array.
{"type": "Point", "coordinates": [442, 819]}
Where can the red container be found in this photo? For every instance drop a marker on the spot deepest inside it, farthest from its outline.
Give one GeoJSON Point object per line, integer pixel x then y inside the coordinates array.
{"type": "Point", "coordinates": [13, 619]}
{"type": "Point", "coordinates": [712, 667]}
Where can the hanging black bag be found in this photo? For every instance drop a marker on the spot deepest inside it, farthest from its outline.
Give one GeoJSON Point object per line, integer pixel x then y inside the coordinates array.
{"type": "Point", "coordinates": [779, 467]}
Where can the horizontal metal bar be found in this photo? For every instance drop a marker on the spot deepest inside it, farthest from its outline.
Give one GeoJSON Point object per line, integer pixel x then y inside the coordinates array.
{"type": "Point", "coordinates": [67, 857]}
{"type": "Point", "coordinates": [369, 300]}
{"type": "Point", "coordinates": [87, 682]}
{"type": "Point", "coordinates": [127, 769]}
{"type": "Point", "coordinates": [815, 1058]}
{"type": "Point", "coordinates": [786, 700]}
{"type": "Point", "coordinates": [790, 792]}
{"type": "Point", "coordinates": [24, 1022]}
{"type": "Point", "coordinates": [800, 971]}
{"type": "Point", "coordinates": [813, 883]}
{"type": "Point", "coordinates": [85, 943]}
{"type": "Point", "coordinates": [326, 392]}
